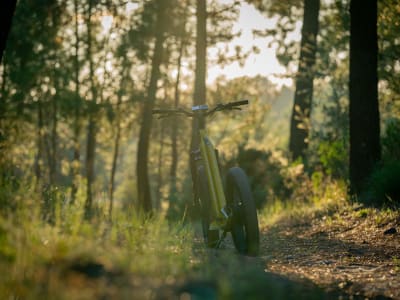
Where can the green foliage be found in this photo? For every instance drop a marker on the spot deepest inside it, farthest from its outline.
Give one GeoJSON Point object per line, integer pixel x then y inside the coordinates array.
{"type": "Point", "coordinates": [264, 174]}
{"type": "Point", "coordinates": [333, 157]}
{"type": "Point", "coordinates": [274, 182]}
{"type": "Point", "coordinates": [312, 197]}
{"type": "Point", "coordinates": [363, 213]}
{"type": "Point", "coordinates": [383, 186]}
{"type": "Point", "coordinates": [391, 141]}
{"type": "Point", "coordinates": [389, 53]}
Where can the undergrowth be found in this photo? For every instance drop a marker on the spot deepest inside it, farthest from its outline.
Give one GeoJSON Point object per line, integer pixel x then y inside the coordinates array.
{"type": "Point", "coordinates": [312, 196]}
{"type": "Point", "coordinates": [57, 261]}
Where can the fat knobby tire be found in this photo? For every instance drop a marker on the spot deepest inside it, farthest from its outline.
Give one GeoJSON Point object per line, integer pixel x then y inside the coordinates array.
{"type": "Point", "coordinates": [244, 225]}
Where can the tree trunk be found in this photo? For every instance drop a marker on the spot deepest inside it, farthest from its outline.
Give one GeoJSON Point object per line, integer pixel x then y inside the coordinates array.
{"type": "Point", "coordinates": [199, 96]}
{"type": "Point", "coordinates": [76, 159]}
{"type": "Point", "coordinates": [6, 15]}
{"type": "Point", "coordinates": [39, 141]}
{"type": "Point", "coordinates": [301, 112]}
{"type": "Point", "coordinates": [174, 134]}
{"type": "Point", "coordinates": [115, 158]}
{"type": "Point", "coordinates": [143, 186]}
{"type": "Point", "coordinates": [364, 109]}
{"type": "Point", "coordinates": [90, 157]}
{"type": "Point", "coordinates": [160, 179]}
{"type": "Point", "coordinates": [54, 140]}
{"type": "Point", "coordinates": [91, 134]}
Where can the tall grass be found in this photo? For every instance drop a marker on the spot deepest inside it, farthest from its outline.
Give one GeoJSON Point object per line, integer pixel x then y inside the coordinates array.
{"type": "Point", "coordinates": [312, 196]}
{"type": "Point", "coordinates": [74, 259]}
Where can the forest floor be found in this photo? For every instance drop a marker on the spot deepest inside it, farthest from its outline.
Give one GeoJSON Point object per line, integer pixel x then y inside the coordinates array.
{"type": "Point", "coordinates": [342, 251]}
{"type": "Point", "coordinates": [356, 250]}
{"type": "Point", "coordinates": [349, 252]}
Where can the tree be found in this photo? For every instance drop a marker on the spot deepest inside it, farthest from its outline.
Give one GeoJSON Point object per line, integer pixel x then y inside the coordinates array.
{"type": "Point", "coordinates": [143, 186]}
{"type": "Point", "coordinates": [6, 16]}
{"type": "Point", "coordinates": [301, 112]}
{"type": "Point", "coordinates": [364, 110]}
{"type": "Point", "coordinates": [174, 134]}
{"type": "Point", "coordinates": [199, 96]}
{"type": "Point", "coordinates": [92, 126]}
{"type": "Point", "coordinates": [76, 126]}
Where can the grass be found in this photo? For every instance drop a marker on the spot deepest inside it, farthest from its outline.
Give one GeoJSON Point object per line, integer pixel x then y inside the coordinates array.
{"type": "Point", "coordinates": [57, 261]}
{"type": "Point", "coordinates": [73, 259]}
{"type": "Point", "coordinates": [322, 199]}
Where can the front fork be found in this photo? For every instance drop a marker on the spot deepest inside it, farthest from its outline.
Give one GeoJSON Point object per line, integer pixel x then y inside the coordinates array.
{"type": "Point", "coordinates": [220, 215]}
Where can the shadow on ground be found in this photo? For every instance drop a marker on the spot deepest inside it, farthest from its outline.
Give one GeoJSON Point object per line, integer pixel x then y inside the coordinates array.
{"type": "Point", "coordinates": [230, 276]}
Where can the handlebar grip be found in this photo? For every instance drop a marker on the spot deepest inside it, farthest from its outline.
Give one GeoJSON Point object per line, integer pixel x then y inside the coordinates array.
{"type": "Point", "coordinates": [238, 103]}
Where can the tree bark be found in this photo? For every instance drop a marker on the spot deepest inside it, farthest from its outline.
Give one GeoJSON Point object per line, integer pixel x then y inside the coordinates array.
{"type": "Point", "coordinates": [90, 158]}
{"type": "Point", "coordinates": [115, 158]}
{"type": "Point", "coordinates": [160, 178]}
{"type": "Point", "coordinates": [76, 158]}
{"type": "Point", "coordinates": [143, 186]}
{"type": "Point", "coordinates": [174, 133]}
{"type": "Point", "coordinates": [91, 134]}
{"type": "Point", "coordinates": [301, 112]}
{"type": "Point", "coordinates": [6, 15]}
{"type": "Point", "coordinates": [54, 140]}
{"type": "Point", "coordinates": [39, 145]}
{"type": "Point", "coordinates": [199, 96]}
{"type": "Point", "coordinates": [365, 149]}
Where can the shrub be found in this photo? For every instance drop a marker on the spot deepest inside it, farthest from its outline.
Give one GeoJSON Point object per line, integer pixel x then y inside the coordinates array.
{"type": "Point", "coordinates": [333, 158]}
{"type": "Point", "coordinates": [264, 174]}
{"type": "Point", "coordinates": [391, 141]}
{"type": "Point", "coordinates": [383, 186]}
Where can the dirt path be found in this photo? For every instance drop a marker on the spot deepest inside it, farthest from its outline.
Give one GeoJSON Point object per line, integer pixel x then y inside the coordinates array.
{"type": "Point", "coordinates": [354, 254]}
{"type": "Point", "coordinates": [351, 254]}
{"type": "Point", "coordinates": [356, 251]}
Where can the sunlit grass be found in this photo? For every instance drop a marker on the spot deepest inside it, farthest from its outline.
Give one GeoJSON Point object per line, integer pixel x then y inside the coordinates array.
{"type": "Point", "coordinates": [317, 198]}
{"type": "Point", "coordinates": [56, 261]}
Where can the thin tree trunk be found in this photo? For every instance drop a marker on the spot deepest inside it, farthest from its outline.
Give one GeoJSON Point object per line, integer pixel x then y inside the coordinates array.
{"type": "Point", "coordinates": [91, 134]}
{"type": "Point", "coordinates": [365, 149]}
{"type": "Point", "coordinates": [301, 112]}
{"type": "Point", "coordinates": [160, 179]}
{"type": "Point", "coordinates": [39, 145]}
{"type": "Point", "coordinates": [3, 107]}
{"type": "Point", "coordinates": [174, 134]}
{"type": "Point", "coordinates": [115, 158]}
{"type": "Point", "coordinates": [90, 157]}
{"type": "Point", "coordinates": [199, 96]}
{"type": "Point", "coordinates": [54, 140]}
{"type": "Point", "coordinates": [143, 186]}
{"type": "Point", "coordinates": [76, 159]}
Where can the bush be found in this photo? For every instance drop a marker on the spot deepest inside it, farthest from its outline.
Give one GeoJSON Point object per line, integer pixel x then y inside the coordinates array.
{"type": "Point", "coordinates": [264, 174]}
{"type": "Point", "coordinates": [383, 186]}
{"type": "Point", "coordinates": [391, 141]}
{"type": "Point", "coordinates": [333, 158]}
